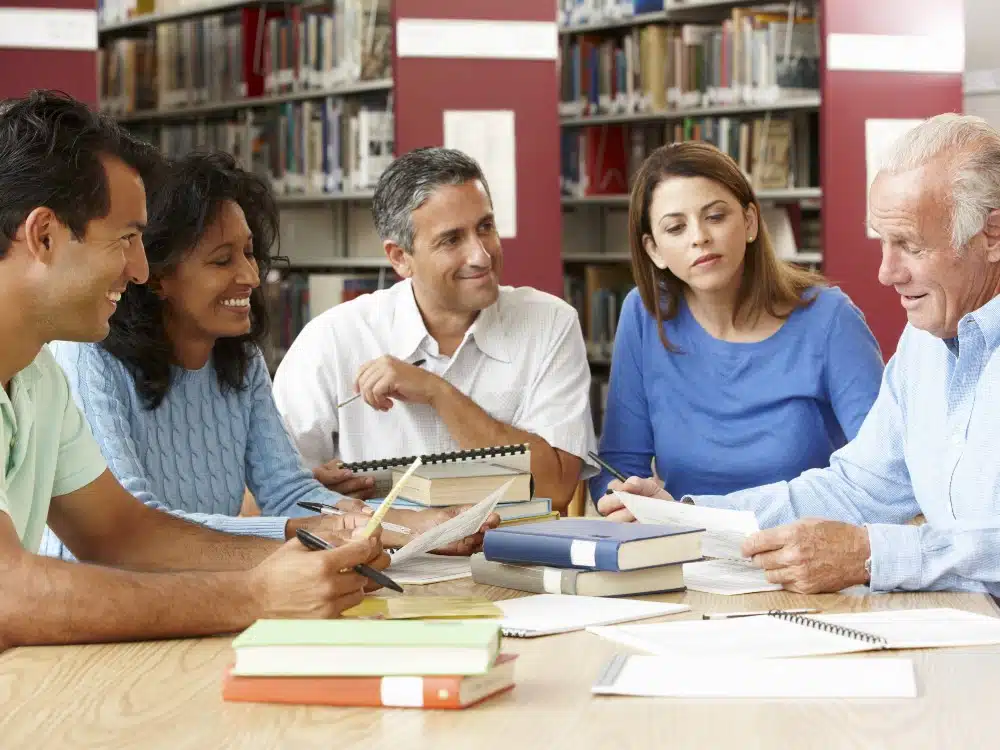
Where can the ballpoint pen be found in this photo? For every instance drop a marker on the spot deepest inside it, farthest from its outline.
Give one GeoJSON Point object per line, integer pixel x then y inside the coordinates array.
{"type": "Point", "coordinates": [609, 468]}
{"type": "Point", "coordinates": [733, 615]}
{"type": "Point", "coordinates": [356, 396]}
{"type": "Point", "coordinates": [331, 510]}
{"type": "Point", "coordinates": [313, 542]}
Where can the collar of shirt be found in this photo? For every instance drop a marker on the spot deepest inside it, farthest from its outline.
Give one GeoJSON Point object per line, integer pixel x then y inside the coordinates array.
{"type": "Point", "coordinates": [410, 331]}
{"type": "Point", "coordinates": [978, 329]}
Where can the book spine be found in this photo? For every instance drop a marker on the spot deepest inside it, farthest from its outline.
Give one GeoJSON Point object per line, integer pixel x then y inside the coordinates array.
{"type": "Point", "coordinates": [503, 545]}
{"type": "Point", "coordinates": [375, 692]}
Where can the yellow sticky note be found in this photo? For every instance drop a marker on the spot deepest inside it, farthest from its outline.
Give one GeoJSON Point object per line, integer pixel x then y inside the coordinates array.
{"type": "Point", "coordinates": [422, 607]}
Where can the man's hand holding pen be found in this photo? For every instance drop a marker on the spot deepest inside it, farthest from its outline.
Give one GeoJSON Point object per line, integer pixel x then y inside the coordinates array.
{"type": "Point", "coordinates": [383, 380]}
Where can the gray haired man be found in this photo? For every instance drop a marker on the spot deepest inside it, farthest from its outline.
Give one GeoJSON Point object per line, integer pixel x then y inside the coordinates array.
{"type": "Point", "coordinates": [929, 443]}
{"type": "Point", "coordinates": [498, 365]}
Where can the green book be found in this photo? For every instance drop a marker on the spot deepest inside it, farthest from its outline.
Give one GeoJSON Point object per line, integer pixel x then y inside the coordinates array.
{"type": "Point", "coordinates": [362, 648]}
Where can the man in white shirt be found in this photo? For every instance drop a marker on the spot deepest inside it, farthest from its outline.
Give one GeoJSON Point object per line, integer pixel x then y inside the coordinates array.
{"type": "Point", "coordinates": [500, 365]}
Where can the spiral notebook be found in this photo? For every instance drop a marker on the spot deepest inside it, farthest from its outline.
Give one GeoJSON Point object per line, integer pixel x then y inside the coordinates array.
{"type": "Point", "coordinates": [783, 635]}
{"type": "Point", "coordinates": [516, 457]}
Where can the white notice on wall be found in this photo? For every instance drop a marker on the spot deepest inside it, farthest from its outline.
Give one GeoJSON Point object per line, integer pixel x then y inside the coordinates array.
{"type": "Point", "coordinates": [488, 137]}
{"type": "Point", "coordinates": [48, 28]}
{"type": "Point", "coordinates": [879, 136]}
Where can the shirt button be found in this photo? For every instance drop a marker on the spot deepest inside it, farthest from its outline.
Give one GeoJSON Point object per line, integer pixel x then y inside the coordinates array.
{"type": "Point", "coordinates": [957, 441]}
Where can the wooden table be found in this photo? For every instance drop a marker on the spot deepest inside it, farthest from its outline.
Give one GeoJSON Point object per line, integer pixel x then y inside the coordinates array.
{"type": "Point", "coordinates": [167, 695]}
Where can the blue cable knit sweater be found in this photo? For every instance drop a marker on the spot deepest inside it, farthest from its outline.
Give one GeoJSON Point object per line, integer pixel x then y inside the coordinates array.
{"type": "Point", "coordinates": [196, 452]}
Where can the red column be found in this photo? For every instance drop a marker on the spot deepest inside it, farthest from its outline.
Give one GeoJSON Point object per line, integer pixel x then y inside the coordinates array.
{"type": "Point", "coordinates": [72, 71]}
{"type": "Point", "coordinates": [850, 258]}
{"type": "Point", "coordinates": [425, 87]}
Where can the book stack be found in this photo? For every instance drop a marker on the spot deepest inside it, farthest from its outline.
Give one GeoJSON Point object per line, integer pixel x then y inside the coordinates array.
{"type": "Point", "coordinates": [462, 477]}
{"type": "Point", "coordinates": [392, 663]}
{"type": "Point", "coordinates": [587, 557]}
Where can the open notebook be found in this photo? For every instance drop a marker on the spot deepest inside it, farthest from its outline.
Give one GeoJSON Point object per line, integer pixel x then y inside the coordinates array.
{"type": "Point", "coordinates": [783, 635]}
{"type": "Point", "coordinates": [547, 614]}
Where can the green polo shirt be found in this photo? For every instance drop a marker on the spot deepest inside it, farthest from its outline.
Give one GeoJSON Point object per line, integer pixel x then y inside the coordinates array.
{"type": "Point", "coordinates": [46, 447]}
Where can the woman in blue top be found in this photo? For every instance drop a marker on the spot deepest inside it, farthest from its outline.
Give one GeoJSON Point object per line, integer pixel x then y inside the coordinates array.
{"type": "Point", "coordinates": [178, 394]}
{"type": "Point", "coordinates": [731, 368]}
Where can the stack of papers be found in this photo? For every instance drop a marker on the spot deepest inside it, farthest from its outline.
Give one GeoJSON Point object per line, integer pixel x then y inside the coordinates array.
{"type": "Point", "coordinates": [725, 532]}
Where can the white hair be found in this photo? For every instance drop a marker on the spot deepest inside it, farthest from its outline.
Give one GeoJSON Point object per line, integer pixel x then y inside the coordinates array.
{"type": "Point", "coordinates": [972, 147]}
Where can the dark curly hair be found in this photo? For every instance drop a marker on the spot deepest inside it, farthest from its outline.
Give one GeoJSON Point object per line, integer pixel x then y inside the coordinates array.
{"type": "Point", "coordinates": [182, 206]}
{"type": "Point", "coordinates": [50, 155]}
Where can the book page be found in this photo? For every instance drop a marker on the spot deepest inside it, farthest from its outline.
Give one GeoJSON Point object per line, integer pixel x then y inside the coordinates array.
{"type": "Point", "coordinates": [725, 530]}
{"type": "Point", "coordinates": [543, 614]}
{"type": "Point", "coordinates": [427, 568]}
{"type": "Point", "coordinates": [727, 577]}
{"type": "Point", "coordinates": [712, 677]}
{"type": "Point", "coordinates": [452, 530]}
{"type": "Point", "coordinates": [758, 637]}
{"type": "Point", "coordinates": [464, 469]}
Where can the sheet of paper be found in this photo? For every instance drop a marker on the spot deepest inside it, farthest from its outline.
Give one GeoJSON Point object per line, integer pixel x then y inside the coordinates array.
{"type": "Point", "coordinates": [711, 677]}
{"type": "Point", "coordinates": [725, 530]}
{"type": "Point", "coordinates": [452, 530]}
{"type": "Point", "coordinates": [428, 568]}
{"type": "Point", "coordinates": [543, 614]}
{"type": "Point", "coordinates": [726, 577]}
{"type": "Point", "coordinates": [422, 607]}
{"type": "Point", "coordinates": [488, 137]}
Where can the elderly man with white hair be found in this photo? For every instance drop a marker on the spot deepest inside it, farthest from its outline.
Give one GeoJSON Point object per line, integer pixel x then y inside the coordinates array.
{"type": "Point", "coordinates": [929, 444]}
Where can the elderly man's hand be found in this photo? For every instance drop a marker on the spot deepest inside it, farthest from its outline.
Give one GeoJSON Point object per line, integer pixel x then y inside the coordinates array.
{"type": "Point", "coordinates": [811, 556]}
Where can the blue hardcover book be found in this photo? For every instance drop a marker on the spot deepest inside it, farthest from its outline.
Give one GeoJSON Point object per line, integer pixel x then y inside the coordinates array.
{"type": "Point", "coordinates": [593, 544]}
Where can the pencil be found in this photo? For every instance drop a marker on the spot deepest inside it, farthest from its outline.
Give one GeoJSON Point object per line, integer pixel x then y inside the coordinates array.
{"type": "Point", "coordinates": [376, 519]}
{"type": "Point", "coordinates": [356, 396]}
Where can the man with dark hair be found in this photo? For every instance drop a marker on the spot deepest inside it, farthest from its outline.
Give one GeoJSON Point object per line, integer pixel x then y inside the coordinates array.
{"type": "Point", "coordinates": [72, 211]}
{"type": "Point", "coordinates": [500, 365]}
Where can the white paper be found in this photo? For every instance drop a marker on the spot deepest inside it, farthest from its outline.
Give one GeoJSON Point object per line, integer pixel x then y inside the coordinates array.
{"type": "Point", "coordinates": [879, 136]}
{"type": "Point", "coordinates": [452, 530]}
{"type": "Point", "coordinates": [488, 137]}
{"type": "Point", "coordinates": [711, 677]}
{"type": "Point", "coordinates": [427, 568]}
{"type": "Point", "coordinates": [48, 28]}
{"type": "Point", "coordinates": [766, 637]}
{"type": "Point", "coordinates": [545, 614]}
{"type": "Point", "coordinates": [725, 530]}
{"type": "Point", "coordinates": [726, 577]}
{"type": "Point", "coordinates": [497, 40]}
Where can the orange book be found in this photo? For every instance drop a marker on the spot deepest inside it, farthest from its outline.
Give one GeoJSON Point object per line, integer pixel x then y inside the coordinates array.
{"type": "Point", "coordinates": [391, 692]}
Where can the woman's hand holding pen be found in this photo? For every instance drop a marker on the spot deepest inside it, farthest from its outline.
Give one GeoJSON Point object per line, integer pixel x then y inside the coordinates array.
{"type": "Point", "coordinates": [612, 507]}
{"type": "Point", "coordinates": [340, 527]}
{"type": "Point", "coordinates": [298, 583]}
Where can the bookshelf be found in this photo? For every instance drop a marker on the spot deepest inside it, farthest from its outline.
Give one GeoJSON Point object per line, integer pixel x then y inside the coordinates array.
{"type": "Point", "coordinates": [140, 24]}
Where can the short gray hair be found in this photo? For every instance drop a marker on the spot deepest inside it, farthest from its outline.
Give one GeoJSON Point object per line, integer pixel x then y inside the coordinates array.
{"type": "Point", "coordinates": [410, 180]}
{"type": "Point", "coordinates": [973, 148]}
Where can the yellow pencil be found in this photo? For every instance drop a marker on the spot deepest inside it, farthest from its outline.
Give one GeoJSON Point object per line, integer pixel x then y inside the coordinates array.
{"type": "Point", "coordinates": [376, 519]}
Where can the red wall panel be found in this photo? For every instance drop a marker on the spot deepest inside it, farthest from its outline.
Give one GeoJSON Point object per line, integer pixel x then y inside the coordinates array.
{"type": "Point", "coordinates": [72, 71]}
{"type": "Point", "coordinates": [850, 258]}
{"type": "Point", "coordinates": [426, 87]}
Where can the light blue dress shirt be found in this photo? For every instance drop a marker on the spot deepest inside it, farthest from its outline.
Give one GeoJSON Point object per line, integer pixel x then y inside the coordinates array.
{"type": "Point", "coordinates": [931, 445]}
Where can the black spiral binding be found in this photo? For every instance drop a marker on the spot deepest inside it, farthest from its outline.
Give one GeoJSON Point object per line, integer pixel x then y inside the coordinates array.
{"type": "Point", "coordinates": [440, 458]}
{"type": "Point", "coordinates": [829, 627]}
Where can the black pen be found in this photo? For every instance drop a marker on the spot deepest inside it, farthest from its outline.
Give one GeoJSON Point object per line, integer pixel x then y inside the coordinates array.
{"type": "Point", "coordinates": [311, 541]}
{"type": "Point", "coordinates": [609, 468]}
{"type": "Point", "coordinates": [356, 396]}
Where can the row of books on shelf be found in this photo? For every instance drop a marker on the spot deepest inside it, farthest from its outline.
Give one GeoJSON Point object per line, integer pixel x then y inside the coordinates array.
{"type": "Point", "coordinates": [774, 152]}
{"type": "Point", "coordinates": [751, 58]}
{"type": "Point", "coordinates": [219, 57]}
{"type": "Point", "coordinates": [327, 146]}
{"type": "Point", "coordinates": [350, 42]}
{"type": "Point", "coordinates": [295, 298]}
